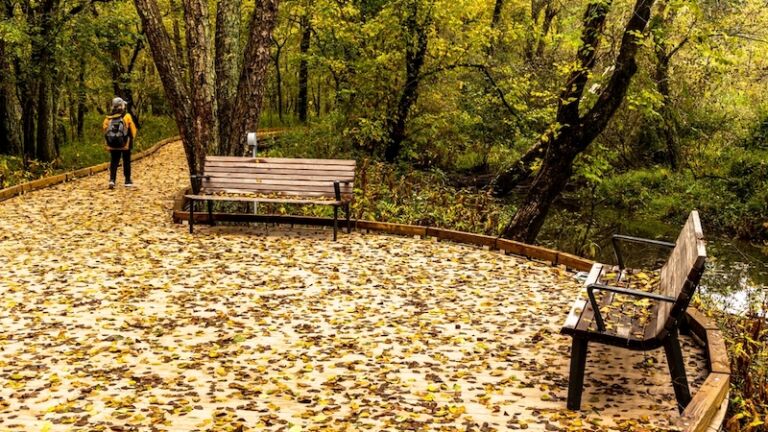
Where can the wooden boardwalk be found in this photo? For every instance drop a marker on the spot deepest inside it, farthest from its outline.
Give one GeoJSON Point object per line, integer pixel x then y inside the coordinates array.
{"type": "Point", "coordinates": [114, 318]}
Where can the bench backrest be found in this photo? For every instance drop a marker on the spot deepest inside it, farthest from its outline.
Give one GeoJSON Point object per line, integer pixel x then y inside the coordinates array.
{"type": "Point", "coordinates": [681, 273]}
{"type": "Point", "coordinates": [281, 176]}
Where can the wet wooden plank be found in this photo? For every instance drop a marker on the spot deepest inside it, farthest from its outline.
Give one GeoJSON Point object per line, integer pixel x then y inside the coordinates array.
{"type": "Point", "coordinates": [698, 415]}
{"type": "Point", "coordinates": [718, 354]}
{"type": "Point", "coordinates": [263, 188]}
{"type": "Point", "coordinates": [462, 237]}
{"type": "Point", "coordinates": [574, 262]}
{"type": "Point", "coordinates": [10, 192]}
{"type": "Point", "coordinates": [260, 170]}
{"type": "Point", "coordinates": [392, 228]}
{"type": "Point", "coordinates": [526, 250]}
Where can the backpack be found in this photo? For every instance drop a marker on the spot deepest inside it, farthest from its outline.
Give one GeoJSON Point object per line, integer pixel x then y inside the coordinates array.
{"type": "Point", "coordinates": [117, 133]}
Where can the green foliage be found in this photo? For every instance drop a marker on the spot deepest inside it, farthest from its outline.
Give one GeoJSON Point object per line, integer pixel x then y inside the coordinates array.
{"type": "Point", "coordinates": [403, 195]}
{"type": "Point", "coordinates": [747, 341]}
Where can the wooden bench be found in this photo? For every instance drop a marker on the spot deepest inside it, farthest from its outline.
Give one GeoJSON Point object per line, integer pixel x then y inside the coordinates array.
{"type": "Point", "coordinates": [636, 310]}
{"type": "Point", "coordinates": [275, 180]}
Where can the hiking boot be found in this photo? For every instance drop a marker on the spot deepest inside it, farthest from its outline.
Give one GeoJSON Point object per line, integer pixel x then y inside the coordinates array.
{"type": "Point", "coordinates": [111, 185]}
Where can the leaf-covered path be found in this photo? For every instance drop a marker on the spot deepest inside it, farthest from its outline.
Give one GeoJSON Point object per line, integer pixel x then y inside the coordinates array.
{"type": "Point", "coordinates": [113, 318]}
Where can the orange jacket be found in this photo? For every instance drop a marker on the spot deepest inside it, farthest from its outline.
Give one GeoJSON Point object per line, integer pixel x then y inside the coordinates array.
{"type": "Point", "coordinates": [128, 120]}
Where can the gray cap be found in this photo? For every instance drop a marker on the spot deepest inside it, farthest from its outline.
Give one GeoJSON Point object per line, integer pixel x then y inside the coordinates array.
{"type": "Point", "coordinates": [118, 103]}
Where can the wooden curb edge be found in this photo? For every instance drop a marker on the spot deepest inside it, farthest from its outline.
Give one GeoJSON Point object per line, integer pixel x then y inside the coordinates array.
{"type": "Point", "coordinates": [45, 182]}
{"type": "Point", "coordinates": [705, 411]}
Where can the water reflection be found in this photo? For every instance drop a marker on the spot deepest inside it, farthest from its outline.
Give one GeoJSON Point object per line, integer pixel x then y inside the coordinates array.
{"type": "Point", "coordinates": [736, 279]}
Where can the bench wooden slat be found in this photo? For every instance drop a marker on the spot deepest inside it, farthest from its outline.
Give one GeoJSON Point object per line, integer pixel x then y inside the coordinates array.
{"type": "Point", "coordinates": [249, 173]}
{"type": "Point", "coordinates": [687, 256]}
{"type": "Point", "coordinates": [575, 314]}
{"type": "Point", "coordinates": [262, 188]}
{"type": "Point", "coordinates": [262, 200]}
{"type": "Point", "coordinates": [342, 162]}
{"type": "Point", "coordinates": [285, 181]}
{"type": "Point", "coordinates": [337, 175]}
{"type": "Point", "coordinates": [276, 192]}
{"type": "Point", "coordinates": [285, 166]}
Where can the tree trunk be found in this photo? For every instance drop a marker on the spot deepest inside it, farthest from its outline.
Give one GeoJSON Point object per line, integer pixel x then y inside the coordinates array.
{"type": "Point", "coordinates": [278, 80]}
{"type": "Point", "coordinates": [550, 181]}
{"type": "Point", "coordinates": [178, 48]}
{"type": "Point", "coordinates": [577, 132]}
{"type": "Point", "coordinates": [58, 128]}
{"type": "Point", "coordinates": [195, 104]}
{"type": "Point", "coordinates": [415, 53]}
{"type": "Point", "coordinates": [10, 135]}
{"type": "Point", "coordinates": [496, 18]}
{"type": "Point", "coordinates": [250, 89]}
{"type": "Point", "coordinates": [204, 120]}
{"type": "Point", "coordinates": [42, 52]}
{"type": "Point", "coordinates": [81, 91]}
{"type": "Point", "coordinates": [227, 66]}
{"type": "Point", "coordinates": [171, 75]}
{"type": "Point", "coordinates": [45, 151]}
{"type": "Point", "coordinates": [519, 172]}
{"type": "Point", "coordinates": [540, 26]}
{"type": "Point", "coordinates": [302, 101]}
{"type": "Point", "coordinates": [29, 97]}
{"type": "Point", "coordinates": [668, 126]}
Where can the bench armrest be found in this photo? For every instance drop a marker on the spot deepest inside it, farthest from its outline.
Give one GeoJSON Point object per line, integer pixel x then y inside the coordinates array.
{"type": "Point", "coordinates": [337, 187]}
{"type": "Point", "coordinates": [626, 291]}
{"type": "Point", "coordinates": [618, 238]}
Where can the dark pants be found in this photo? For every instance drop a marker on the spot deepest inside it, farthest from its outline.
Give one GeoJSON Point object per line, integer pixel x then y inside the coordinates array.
{"type": "Point", "coordinates": [115, 156]}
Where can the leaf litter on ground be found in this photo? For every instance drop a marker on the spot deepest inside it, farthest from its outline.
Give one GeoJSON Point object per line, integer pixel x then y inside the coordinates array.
{"type": "Point", "coordinates": [113, 318]}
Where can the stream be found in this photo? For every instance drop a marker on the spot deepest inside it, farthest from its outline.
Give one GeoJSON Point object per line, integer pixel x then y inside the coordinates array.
{"type": "Point", "coordinates": [736, 275]}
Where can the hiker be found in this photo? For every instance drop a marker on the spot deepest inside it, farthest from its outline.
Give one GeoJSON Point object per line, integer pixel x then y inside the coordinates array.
{"type": "Point", "coordinates": [119, 132]}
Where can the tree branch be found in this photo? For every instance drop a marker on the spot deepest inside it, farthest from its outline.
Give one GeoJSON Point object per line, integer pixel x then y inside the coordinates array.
{"type": "Point", "coordinates": [136, 50]}
{"type": "Point", "coordinates": [79, 8]}
{"type": "Point", "coordinates": [484, 70]}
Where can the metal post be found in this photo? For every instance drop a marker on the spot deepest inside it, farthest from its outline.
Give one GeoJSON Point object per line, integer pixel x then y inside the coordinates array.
{"type": "Point", "coordinates": [253, 142]}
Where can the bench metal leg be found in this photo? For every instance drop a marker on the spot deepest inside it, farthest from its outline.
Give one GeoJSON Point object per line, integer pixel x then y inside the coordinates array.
{"type": "Point", "coordinates": [576, 379]}
{"type": "Point", "coordinates": [677, 370]}
{"type": "Point", "coordinates": [335, 221]}
{"type": "Point", "coordinates": [349, 225]}
{"type": "Point", "coordinates": [210, 212]}
{"type": "Point", "coordinates": [191, 215]}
